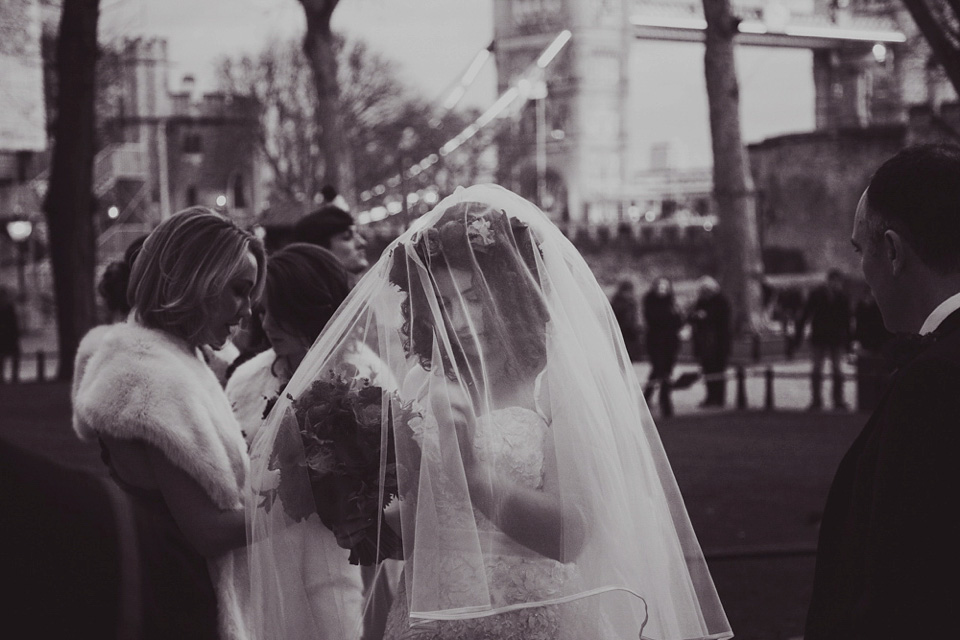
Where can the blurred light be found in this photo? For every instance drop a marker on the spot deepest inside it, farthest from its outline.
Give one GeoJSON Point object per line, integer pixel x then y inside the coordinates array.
{"type": "Point", "coordinates": [378, 213]}
{"type": "Point", "coordinates": [19, 230]}
{"type": "Point", "coordinates": [879, 52]}
{"type": "Point", "coordinates": [708, 226]}
{"type": "Point", "coordinates": [379, 190]}
{"type": "Point", "coordinates": [366, 195]}
{"type": "Point", "coordinates": [554, 48]}
{"type": "Point", "coordinates": [259, 231]}
{"type": "Point", "coordinates": [650, 216]}
{"type": "Point", "coordinates": [538, 90]}
{"type": "Point", "coordinates": [775, 16]}
{"type": "Point", "coordinates": [413, 198]}
{"type": "Point", "coordinates": [221, 200]}
{"type": "Point", "coordinates": [633, 212]}
{"type": "Point", "coordinates": [394, 207]}
{"type": "Point", "coordinates": [454, 97]}
{"type": "Point", "coordinates": [431, 197]}
{"type": "Point", "coordinates": [475, 67]}
{"type": "Point", "coordinates": [558, 134]}
{"type": "Point", "coordinates": [364, 217]}
{"type": "Point", "coordinates": [113, 212]}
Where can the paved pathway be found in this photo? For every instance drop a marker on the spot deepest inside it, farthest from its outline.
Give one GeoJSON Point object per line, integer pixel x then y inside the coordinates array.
{"type": "Point", "coordinates": [791, 387]}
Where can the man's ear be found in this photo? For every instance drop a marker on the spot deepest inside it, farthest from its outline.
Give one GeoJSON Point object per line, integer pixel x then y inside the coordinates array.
{"type": "Point", "coordinates": [894, 249]}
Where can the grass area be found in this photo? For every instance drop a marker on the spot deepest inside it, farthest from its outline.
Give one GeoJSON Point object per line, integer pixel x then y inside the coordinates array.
{"type": "Point", "coordinates": [36, 417]}
{"type": "Point", "coordinates": [754, 483]}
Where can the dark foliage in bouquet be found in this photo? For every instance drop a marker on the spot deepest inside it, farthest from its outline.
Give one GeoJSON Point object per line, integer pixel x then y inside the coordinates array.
{"type": "Point", "coordinates": [337, 441]}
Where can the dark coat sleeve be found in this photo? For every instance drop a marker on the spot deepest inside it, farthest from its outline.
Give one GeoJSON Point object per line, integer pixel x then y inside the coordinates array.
{"type": "Point", "coordinates": [912, 581]}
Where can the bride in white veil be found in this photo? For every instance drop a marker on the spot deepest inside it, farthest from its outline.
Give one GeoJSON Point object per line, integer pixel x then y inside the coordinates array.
{"type": "Point", "coordinates": [528, 491]}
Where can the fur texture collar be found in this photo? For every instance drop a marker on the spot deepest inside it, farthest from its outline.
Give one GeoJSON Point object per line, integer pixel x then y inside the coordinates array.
{"type": "Point", "coordinates": [139, 383]}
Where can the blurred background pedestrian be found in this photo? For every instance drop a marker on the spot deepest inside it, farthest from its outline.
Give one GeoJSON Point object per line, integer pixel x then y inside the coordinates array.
{"type": "Point", "coordinates": [711, 332]}
{"type": "Point", "coordinates": [828, 311]}
{"type": "Point", "coordinates": [663, 322]}
{"type": "Point", "coordinates": [114, 281]}
{"type": "Point", "coordinates": [334, 229]}
{"type": "Point", "coordinates": [626, 311]}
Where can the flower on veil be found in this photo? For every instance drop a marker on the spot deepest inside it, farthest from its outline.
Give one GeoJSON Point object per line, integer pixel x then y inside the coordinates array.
{"type": "Point", "coordinates": [337, 444]}
{"type": "Point", "coordinates": [480, 233]}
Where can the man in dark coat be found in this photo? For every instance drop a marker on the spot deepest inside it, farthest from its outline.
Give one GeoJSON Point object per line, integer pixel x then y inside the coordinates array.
{"type": "Point", "coordinates": [828, 311]}
{"type": "Point", "coordinates": [888, 557]}
{"type": "Point", "coordinates": [663, 322]}
{"type": "Point", "coordinates": [712, 338]}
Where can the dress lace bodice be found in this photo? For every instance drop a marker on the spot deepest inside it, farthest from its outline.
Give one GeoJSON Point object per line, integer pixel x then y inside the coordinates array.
{"type": "Point", "coordinates": [511, 441]}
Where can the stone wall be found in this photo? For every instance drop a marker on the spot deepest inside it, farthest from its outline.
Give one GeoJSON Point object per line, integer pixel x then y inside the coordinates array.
{"type": "Point", "coordinates": [809, 184]}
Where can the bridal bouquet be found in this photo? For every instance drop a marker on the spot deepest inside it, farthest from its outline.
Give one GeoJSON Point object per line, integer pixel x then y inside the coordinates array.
{"type": "Point", "coordinates": [338, 441]}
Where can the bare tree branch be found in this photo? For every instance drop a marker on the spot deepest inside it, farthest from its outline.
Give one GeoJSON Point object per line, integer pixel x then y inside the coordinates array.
{"type": "Point", "coordinates": [936, 31]}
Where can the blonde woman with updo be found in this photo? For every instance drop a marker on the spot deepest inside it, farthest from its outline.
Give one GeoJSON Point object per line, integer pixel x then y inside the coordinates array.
{"type": "Point", "coordinates": [165, 427]}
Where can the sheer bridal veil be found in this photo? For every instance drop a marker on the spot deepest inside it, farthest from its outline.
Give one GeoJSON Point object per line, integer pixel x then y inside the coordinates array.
{"type": "Point", "coordinates": [476, 381]}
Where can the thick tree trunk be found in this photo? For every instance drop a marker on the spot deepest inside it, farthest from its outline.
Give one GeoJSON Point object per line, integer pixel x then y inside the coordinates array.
{"type": "Point", "coordinates": [70, 203]}
{"type": "Point", "coordinates": [741, 267]}
{"type": "Point", "coordinates": [939, 36]}
{"type": "Point", "coordinates": [318, 46]}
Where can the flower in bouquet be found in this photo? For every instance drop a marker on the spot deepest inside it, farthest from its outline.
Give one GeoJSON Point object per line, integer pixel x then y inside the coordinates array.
{"type": "Point", "coordinates": [336, 445]}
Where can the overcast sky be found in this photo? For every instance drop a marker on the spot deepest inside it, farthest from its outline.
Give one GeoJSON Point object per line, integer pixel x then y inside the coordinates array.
{"type": "Point", "coordinates": [412, 32]}
{"type": "Point", "coordinates": [433, 41]}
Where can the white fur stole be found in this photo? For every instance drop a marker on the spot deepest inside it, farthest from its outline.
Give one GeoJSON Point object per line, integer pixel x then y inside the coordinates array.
{"type": "Point", "coordinates": [133, 382]}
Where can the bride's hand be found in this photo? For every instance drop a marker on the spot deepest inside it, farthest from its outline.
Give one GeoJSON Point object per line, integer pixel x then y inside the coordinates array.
{"type": "Point", "coordinates": [454, 414]}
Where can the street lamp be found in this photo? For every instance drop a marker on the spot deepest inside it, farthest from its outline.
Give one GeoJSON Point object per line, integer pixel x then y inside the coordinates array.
{"type": "Point", "coordinates": [19, 231]}
{"type": "Point", "coordinates": [538, 92]}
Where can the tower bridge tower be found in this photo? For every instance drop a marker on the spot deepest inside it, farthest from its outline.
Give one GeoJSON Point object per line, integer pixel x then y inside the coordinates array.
{"type": "Point", "coordinates": [581, 128]}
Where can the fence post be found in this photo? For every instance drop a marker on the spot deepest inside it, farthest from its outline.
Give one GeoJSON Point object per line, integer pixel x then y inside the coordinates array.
{"type": "Point", "coordinates": [741, 388]}
{"type": "Point", "coordinates": [41, 366]}
{"type": "Point", "coordinates": [755, 346]}
{"type": "Point", "coordinates": [768, 390]}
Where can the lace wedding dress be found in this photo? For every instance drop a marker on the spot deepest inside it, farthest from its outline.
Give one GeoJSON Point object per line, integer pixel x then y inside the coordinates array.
{"type": "Point", "coordinates": [511, 441]}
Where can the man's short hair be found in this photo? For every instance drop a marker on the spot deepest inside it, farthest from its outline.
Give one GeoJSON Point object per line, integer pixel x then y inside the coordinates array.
{"type": "Point", "coordinates": [917, 194]}
{"type": "Point", "coordinates": [322, 224]}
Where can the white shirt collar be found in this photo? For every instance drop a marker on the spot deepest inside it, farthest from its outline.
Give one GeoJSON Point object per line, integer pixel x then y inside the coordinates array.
{"type": "Point", "coordinates": [939, 314]}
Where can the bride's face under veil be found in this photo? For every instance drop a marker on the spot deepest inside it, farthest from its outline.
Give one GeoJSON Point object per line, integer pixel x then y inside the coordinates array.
{"type": "Point", "coordinates": [533, 490]}
{"type": "Point", "coordinates": [463, 310]}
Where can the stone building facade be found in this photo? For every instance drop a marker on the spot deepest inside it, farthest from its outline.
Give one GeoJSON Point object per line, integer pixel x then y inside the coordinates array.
{"type": "Point", "coordinates": [167, 149]}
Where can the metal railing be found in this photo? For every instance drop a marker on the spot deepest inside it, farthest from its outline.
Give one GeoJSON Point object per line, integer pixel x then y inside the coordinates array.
{"type": "Point", "coordinates": [35, 366]}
